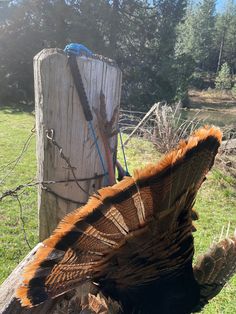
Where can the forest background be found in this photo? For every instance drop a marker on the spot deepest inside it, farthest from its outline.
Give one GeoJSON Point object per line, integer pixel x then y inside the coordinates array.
{"type": "Point", "coordinates": [163, 47]}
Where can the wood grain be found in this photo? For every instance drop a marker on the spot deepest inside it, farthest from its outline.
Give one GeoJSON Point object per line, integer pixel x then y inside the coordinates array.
{"type": "Point", "coordinates": [58, 107]}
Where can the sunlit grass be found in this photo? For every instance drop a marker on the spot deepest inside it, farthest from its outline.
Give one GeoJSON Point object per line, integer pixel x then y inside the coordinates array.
{"type": "Point", "coordinates": [15, 128]}
{"type": "Point", "coordinates": [216, 205]}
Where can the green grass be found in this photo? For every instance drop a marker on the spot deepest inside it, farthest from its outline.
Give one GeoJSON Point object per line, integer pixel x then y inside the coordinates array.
{"type": "Point", "coordinates": [14, 130]}
{"type": "Point", "coordinates": [216, 205]}
{"type": "Point", "coordinates": [216, 202]}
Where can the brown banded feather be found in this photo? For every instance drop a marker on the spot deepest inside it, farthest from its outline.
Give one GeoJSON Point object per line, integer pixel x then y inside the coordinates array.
{"type": "Point", "coordinates": [147, 200]}
{"type": "Point", "coordinates": [215, 268]}
{"type": "Point", "coordinates": [117, 219]}
{"type": "Point", "coordinates": [140, 208]}
{"type": "Point", "coordinates": [139, 229]}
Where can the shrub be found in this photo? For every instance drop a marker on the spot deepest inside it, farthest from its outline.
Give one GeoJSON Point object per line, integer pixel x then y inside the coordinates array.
{"type": "Point", "coordinates": [197, 81]}
{"type": "Point", "coordinates": [234, 90]}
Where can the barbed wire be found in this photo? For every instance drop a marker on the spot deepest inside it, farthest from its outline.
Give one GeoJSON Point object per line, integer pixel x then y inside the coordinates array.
{"type": "Point", "coordinates": [129, 119]}
{"type": "Point", "coordinates": [13, 192]}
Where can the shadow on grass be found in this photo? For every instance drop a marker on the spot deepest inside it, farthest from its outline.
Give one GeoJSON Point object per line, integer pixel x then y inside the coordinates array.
{"type": "Point", "coordinates": [206, 105]}
{"type": "Point", "coordinates": [18, 108]}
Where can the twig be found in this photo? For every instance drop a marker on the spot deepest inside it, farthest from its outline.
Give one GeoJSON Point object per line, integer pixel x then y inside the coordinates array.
{"type": "Point", "coordinates": [142, 122]}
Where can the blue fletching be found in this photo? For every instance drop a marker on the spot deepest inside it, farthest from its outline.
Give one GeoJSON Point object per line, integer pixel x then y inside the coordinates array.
{"type": "Point", "coordinates": [78, 50]}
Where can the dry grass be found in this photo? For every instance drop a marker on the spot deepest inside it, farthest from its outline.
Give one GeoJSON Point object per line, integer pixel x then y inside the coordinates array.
{"type": "Point", "coordinates": [212, 98]}
{"type": "Point", "coordinates": [169, 127]}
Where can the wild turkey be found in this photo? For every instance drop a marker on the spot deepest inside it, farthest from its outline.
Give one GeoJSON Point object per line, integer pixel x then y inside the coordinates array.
{"type": "Point", "coordinates": [134, 242]}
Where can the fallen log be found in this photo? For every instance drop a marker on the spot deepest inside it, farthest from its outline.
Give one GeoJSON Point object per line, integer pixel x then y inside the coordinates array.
{"type": "Point", "coordinates": [8, 303]}
{"type": "Point", "coordinates": [70, 302]}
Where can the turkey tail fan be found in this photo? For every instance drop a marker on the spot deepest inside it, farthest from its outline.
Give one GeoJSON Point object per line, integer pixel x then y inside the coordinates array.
{"type": "Point", "coordinates": [129, 234]}
{"type": "Point", "coordinates": [214, 269]}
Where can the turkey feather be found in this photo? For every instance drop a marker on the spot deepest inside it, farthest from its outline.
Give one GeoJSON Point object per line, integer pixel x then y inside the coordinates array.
{"type": "Point", "coordinates": [132, 236]}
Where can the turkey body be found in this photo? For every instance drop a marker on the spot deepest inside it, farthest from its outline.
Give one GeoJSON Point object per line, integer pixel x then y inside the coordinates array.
{"type": "Point", "coordinates": [177, 295]}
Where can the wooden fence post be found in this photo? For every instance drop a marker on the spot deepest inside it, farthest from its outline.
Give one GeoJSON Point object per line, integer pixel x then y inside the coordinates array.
{"type": "Point", "coordinates": [59, 115]}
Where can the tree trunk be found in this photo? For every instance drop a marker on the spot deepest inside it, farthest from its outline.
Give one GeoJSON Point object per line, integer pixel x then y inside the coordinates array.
{"type": "Point", "coordinates": [221, 50]}
{"type": "Point", "coordinates": [114, 28]}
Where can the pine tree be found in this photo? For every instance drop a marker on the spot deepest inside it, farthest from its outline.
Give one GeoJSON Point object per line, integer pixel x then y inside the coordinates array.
{"type": "Point", "coordinates": [30, 26]}
{"type": "Point", "coordinates": [185, 43]}
{"type": "Point", "coordinates": [204, 30]}
{"type": "Point", "coordinates": [196, 34]}
{"type": "Point", "coordinates": [223, 79]}
{"type": "Point", "coordinates": [148, 58]}
{"type": "Point", "coordinates": [225, 39]}
{"type": "Point", "coordinates": [229, 53]}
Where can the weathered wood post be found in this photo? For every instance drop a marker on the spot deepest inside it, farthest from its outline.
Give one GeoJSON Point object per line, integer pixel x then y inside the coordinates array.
{"type": "Point", "coordinates": [66, 149]}
{"type": "Point", "coordinates": [59, 114]}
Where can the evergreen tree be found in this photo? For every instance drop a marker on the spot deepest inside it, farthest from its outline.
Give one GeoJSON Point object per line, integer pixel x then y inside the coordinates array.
{"type": "Point", "coordinates": [204, 30]}
{"type": "Point", "coordinates": [196, 34]}
{"type": "Point", "coordinates": [225, 39]}
{"type": "Point", "coordinates": [229, 51]}
{"type": "Point", "coordinates": [223, 80]}
{"type": "Point", "coordinates": [185, 43]}
{"type": "Point", "coordinates": [148, 57]}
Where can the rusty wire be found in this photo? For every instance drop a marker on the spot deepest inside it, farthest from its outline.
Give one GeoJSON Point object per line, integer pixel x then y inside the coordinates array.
{"type": "Point", "coordinates": [13, 192]}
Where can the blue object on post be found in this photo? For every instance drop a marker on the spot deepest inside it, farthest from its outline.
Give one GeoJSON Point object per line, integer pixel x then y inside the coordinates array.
{"type": "Point", "coordinates": [78, 50]}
